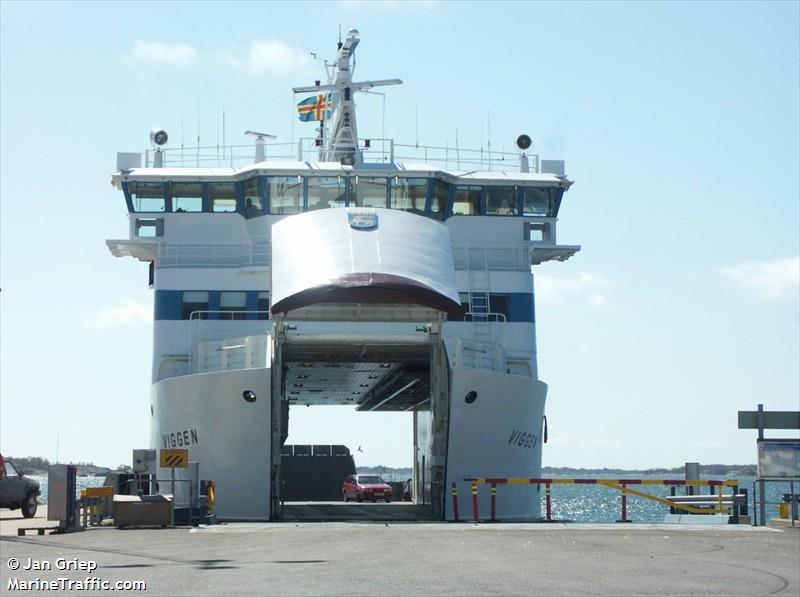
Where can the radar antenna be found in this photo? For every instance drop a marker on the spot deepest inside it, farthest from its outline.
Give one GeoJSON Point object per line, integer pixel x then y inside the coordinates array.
{"type": "Point", "coordinates": [261, 154]}
{"type": "Point", "coordinates": [340, 134]}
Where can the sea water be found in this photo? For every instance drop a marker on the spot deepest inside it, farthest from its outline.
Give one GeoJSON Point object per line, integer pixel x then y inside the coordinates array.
{"type": "Point", "coordinates": [589, 503]}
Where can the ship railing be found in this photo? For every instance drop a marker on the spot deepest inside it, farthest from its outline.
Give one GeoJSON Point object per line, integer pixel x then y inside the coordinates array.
{"type": "Point", "coordinates": [254, 254]}
{"type": "Point", "coordinates": [509, 259]}
{"type": "Point", "coordinates": [370, 151]}
{"type": "Point", "coordinates": [478, 355]}
{"type": "Point", "coordinates": [717, 502]}
{"type": "Point", "coordinates": [243, 352]}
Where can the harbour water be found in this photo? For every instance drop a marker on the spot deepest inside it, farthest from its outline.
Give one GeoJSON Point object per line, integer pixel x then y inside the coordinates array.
{"type": "Point", "coordinates": [585, 503]}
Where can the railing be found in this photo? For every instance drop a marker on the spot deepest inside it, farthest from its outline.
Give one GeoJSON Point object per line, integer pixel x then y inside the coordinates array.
{"type": "Point", "coordinates": [252, 254]}
{"type": "Point", "coordinates": [722, 504]}
{"type": "Point", "coordinates": [373, 151]}
{"type": "Point", "coordinates": [508, 259]}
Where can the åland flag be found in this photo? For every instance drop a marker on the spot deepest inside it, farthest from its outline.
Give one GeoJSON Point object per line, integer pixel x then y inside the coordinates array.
{"type": "Point", "coordinates": [314, 107]}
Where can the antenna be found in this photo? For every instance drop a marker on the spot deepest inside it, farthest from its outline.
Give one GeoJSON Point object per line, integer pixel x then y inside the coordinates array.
{"type": "Point", "coordinates": [181, 138]}
{"type": "Point", "coordinates": [416, 127]}
{"type": "Point", "coordinates": [489, 136]}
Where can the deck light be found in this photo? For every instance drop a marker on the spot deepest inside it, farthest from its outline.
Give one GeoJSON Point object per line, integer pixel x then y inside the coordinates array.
{"type": "Point", "coordinates": [249, 395]}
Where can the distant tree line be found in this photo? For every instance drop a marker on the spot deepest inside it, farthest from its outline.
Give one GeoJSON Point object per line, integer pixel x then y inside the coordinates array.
{"type": "Point", "coordinates": [32, 464]}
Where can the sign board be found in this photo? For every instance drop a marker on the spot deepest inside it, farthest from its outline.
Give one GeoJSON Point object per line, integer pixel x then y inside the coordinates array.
{"type": "Point", "coordinates": [105, 491]}
{"type": "Point", "coordinates": [772, 419]}
{"type": "Point", "coordinates": [175, 458]}
{"type": "Point", "coordinates": [779, 459]}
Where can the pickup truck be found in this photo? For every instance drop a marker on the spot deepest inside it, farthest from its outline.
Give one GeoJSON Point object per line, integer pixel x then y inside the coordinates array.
{"type": "Point", "coordinates": [16, 490]}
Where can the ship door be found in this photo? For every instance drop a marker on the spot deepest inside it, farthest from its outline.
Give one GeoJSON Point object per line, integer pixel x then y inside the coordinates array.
{"type": "Point", "coordinates": [362, 373]}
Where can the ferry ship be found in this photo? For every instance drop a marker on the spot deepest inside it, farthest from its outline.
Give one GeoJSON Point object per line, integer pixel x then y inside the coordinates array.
{"type": "Point", "coordinates": [341, 270]}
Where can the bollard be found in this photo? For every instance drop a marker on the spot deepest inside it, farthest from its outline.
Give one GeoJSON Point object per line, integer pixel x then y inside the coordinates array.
{"type": "Point", "coordinates": [624, 504]}
{"type": "Point", "coordinates": [455, 502]}
{"type": "Point", "coordinates": [474, 501]}
{"type": "Point", "coordinates": [547, 499]}
{"type": "Point", "coordinates": [494, 500]}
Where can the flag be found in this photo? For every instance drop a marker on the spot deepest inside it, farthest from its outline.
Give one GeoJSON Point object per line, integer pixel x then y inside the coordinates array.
{"type": "Point", "coordinates": [314, 107]}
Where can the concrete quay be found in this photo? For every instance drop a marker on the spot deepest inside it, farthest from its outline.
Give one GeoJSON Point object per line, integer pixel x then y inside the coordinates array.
{"type": "Point", "coordinates": [356, 558]}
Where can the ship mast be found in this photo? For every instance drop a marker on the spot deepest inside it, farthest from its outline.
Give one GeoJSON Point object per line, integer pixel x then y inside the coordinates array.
{"type": "Point", "coordinates": [339, 132]}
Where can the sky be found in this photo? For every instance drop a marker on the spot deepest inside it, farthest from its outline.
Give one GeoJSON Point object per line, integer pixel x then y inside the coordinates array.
{"type": "Point", "coordinates": [679, 123]}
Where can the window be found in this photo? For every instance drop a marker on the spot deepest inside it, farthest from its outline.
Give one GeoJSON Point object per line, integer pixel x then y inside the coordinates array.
{"type": "Point", "coordinates": [263, 305]}
{"type": "Point", "coordinates": [439, 199]}
{"type": "Point", "coordinates": [148, 228]}
{"type": "Point", "coordinates": [285, 194]}
{"type": "Point", "coordinates": [147, 196]}
{"type": "Point", "coordinates": [368, 192]}
{"type": "Point", "coordinates": [252, 198]}
{"type": "Point", "coordinates": [501, 201]}
{"type": "Point", "coordinates": [409, 194]}
{"type": "Point", "coordinates": [467, 201]}
{"type": "Point", "coordinates": [326, 191]}
{"type": "Point", "coordinates": [222, 196]}
{"type": "Point", "coordinates": [194, 301]}
{"type": "Point", "coordinates": [537, 232]}
{"type": "Point", "coordinates": [233, 305]}
{"type": "Point", "coordinates": [537, 201]}
{"type": "Point", "coordinates": [187, 196]}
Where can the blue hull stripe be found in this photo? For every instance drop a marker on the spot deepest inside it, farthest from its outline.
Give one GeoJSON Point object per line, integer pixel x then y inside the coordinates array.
{"type": "Point", "coordinates": [168, 303]}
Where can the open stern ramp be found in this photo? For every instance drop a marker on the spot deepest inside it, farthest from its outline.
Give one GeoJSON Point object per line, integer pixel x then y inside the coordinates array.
{"type": "Point", "coordinates": [359, 296]}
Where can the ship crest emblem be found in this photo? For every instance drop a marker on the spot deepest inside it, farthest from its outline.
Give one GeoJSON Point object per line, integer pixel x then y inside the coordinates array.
{"type": "Point", "coordinates": [363, 221]}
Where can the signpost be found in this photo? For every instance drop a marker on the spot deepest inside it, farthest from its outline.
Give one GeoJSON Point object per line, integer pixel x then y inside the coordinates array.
{"type": "Point", "coordinates": [778, 459]}
{"type": "Point", "coordinates": [172, 459]}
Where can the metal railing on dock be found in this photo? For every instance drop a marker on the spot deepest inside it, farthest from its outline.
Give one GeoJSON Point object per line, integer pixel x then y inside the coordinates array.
{"type": "Point", "coordinates": [717, 502]}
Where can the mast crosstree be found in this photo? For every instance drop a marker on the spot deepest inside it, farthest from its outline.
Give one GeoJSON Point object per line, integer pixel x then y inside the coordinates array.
{"type": "Point", "coordinates": [339, 132]}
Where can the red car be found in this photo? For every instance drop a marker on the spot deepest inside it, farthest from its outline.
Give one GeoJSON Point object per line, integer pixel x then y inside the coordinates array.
{"type": "Point", "coordinates": [366, 487]}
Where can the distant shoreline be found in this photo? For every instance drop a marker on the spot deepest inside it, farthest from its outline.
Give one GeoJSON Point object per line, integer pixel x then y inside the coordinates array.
{"type": "Point", "coordinates": [735, 470]}
{"type": "Point", "coordinates": [38, 466]}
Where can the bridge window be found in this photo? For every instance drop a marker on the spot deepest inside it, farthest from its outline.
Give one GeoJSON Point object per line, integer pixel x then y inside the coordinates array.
{"type": "Point", "coordinates": [368, 192]}
{"type": "Point", "coordinates": [439, 200]}
{"type": "Point", "coordinates": [263, 305]}
{"type": "Point", "coordinates": [222, 196]}
{"type": "Point", "coordinates": [285, 194]}
{"type": "Point", "coordinates": [537, 201]}
{"type": "Point", "coordinates": [194, 301]}
{"type": "Point", "coordinates": [409, 194]}
{"type": "Point", "coordinates": [147, 196]}
{"type": "Point", "coordinates": [187, 196]}
{"type": "Point", "coordinates": [252, 198]}
{"type": "Point", "coordinates": [501, 201]}
{"type": "Point", "coordinates": [326, 191]}
{"type": "Point", "coordinates": [467, 201]}
{"type": "Point", "coordinates": [232, 305]}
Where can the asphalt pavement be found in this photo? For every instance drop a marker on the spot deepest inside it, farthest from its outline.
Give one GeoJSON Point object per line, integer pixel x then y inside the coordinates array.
{"type": "Point", "coordinates": [395, 558]}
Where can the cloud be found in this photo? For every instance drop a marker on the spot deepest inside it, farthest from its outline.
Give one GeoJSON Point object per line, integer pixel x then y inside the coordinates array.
{"type": "Point", "coordinates": [768, 279]}
{"type": "Point", "coordinates": [275, 57]}
{"type": "Point", "coordinates": [549, 289]}
{"type": "Point", "coordinates": [161, 53]}
{"type": "Point", "coordinates": [128, 311]}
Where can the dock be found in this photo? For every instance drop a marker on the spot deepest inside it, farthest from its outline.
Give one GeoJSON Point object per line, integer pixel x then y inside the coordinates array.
{"type": "Point", "coordinates": [393, 558]}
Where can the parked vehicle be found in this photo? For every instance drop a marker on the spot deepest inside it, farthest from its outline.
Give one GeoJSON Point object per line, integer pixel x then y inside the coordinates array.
{"type": "Point", "coordinates": [16, 490]}
{"type": "Point", "coordinates": [366, 487]}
